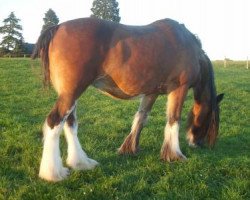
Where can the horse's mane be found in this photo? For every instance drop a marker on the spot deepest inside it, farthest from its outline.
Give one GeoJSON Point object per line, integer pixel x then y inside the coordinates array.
{"type": "Point", "coordinates": [213, 123]}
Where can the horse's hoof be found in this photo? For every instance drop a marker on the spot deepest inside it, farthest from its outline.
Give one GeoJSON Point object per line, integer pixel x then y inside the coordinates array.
{"type": "Point", "coordinates": [84, 164]}
{"type": "Point", "coordinates": [91, 164]}
{"type": "Point", "coordinates": [128, 150]}
{"type": "Point", "coordinates": [54, 176]}
{"type": "Point", "coordinates": [64, 172]}
{"type": "Point", "coordinates": [129, 146]}
{"type": "Point", "coordinates": [169, 155]}
{"type": "Point", "coordinates": [173, 157]}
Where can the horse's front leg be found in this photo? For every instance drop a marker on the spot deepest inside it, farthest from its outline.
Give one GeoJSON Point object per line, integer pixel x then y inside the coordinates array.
{"type": "Point", "coordinates": [131, 143]}
{"type": "Point", "coordinates": [170, 150]}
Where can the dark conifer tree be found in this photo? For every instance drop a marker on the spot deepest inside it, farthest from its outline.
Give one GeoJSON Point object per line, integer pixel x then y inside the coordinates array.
{"type": "Point", "coordinates": [12, 40]}
{"type": "Point", "coordinates": [106, 9]}
{"type": "Point", "coordinates": [50, 19]}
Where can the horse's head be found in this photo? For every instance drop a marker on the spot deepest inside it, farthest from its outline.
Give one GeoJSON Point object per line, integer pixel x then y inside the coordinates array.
{"type": "Point", "coordinates": [203, 122]}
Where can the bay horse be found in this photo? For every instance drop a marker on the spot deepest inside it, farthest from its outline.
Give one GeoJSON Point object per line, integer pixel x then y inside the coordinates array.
{"type": "Point", "coordinates": [123, 61]}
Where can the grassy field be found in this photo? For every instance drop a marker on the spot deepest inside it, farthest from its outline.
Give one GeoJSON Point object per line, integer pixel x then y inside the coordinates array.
{"type": "Point", "coordinates": [220, 173]}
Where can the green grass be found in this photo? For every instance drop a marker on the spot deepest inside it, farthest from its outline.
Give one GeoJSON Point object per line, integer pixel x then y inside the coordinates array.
{"type": "Point", "coordinates": [220, 173]}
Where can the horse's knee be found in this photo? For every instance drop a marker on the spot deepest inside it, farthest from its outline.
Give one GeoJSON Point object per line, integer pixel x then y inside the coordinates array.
{"type": "Point", "coordinates": [71, 120]}
{"type": "Point", "coordinates": [54, 118]}
{"type": "Point", "coordinates": [60, 112]}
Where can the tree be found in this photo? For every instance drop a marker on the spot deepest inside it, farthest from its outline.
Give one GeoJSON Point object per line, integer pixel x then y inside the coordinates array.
{"type": "Point", "coordinates": [106, 9]}
{"type": "Point", "coordinates": [50, 19]}
{"type": "Point", "coordinates": [12, 42]}
{"type": "Point", "coordinates": [28, 48]}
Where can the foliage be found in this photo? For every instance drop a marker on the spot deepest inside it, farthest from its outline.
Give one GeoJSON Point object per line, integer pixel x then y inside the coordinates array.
{"type": "Point", "coordinates": [12, 42]}
{"type": "Point", "coordinates": [28, 47]}
{"type": "Point", "coordinates": [50, 19]}
{"type": "Point", "coordinates": [219, 173]}
{"type": "Point", "coordinates": [106, 9]}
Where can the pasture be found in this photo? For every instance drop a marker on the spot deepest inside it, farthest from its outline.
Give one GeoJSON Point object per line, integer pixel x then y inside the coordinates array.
{"type": "Point", "coordinates": [219, 173]}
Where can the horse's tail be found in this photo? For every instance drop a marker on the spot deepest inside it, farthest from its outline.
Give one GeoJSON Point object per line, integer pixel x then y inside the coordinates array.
{"type": "Point", "coordinates": [213, 124]}
{"type": "Point", "coordinates": [42, 50]}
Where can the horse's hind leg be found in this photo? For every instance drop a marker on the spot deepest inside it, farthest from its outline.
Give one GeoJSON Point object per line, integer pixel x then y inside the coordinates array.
{"type": "Point", "coordinates": [131, 143]}
{"type": "Point", "coordinates": [77, 158]}
{"type": "Point", "coordinates": [170, 149]}
{"type": "Point", "coordinates": [51, 167]}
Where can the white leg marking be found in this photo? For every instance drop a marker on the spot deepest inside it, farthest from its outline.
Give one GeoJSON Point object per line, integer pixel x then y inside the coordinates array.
{"type": "Point", "coordinates": [51, 167]}
{"type": "Point", "coordinates": [139, 118]}
{"type": "Point", "coordinates": [77, 158]}
{"type": "Point", "coordinates": [172, 138]}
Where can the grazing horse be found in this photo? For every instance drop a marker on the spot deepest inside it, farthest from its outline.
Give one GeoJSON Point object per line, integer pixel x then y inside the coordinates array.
{"type": "Point", "coordinates": [123, 61]}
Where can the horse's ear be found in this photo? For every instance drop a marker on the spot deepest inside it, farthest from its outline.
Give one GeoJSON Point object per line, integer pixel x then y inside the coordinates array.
{"type": "Point", "coordinates": [219, 98]}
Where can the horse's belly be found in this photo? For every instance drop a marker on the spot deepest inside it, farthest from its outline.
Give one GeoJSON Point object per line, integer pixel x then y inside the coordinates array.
{"type": "Point", "coordinates": [106, 84]}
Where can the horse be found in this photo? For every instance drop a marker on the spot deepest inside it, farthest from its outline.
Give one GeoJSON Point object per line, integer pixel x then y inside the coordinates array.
{"type": "Point", "coordinates": [125, 62]}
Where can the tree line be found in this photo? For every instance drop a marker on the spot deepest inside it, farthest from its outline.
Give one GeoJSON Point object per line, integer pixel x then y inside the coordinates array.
{"type": "Point", "coordinates": [13, 44]}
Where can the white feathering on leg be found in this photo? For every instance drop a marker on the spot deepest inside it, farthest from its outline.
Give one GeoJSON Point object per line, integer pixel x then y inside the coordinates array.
{"type": "Point", "coordinates": [51, 167]}
{"type": "Point", "coordinates": [77, 158]}
{"type": "Point", "coordinates": [172, 137]}
{"type": "Point", "coordinates": [138, 118]}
